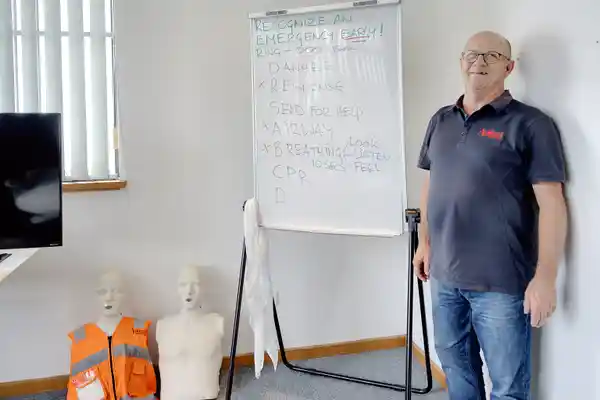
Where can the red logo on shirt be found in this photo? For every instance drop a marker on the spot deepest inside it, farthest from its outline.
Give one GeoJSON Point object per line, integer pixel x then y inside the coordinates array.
{"type": "Point", "coordinates": [492, 134]}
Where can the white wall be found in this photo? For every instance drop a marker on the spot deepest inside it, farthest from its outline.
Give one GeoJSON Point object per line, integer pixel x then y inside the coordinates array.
{"type": "Point", "coordinates": [185, 99]}
{"type": "Point", "coordinates": [183, 70]}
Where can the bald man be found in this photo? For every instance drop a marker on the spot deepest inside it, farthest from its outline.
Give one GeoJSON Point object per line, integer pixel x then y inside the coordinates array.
{"type": "Point", "coordinates": [494, 226]}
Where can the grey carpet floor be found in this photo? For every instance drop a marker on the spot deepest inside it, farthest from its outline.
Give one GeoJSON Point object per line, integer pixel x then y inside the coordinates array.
{"type": "Point", "coordinates": [387, 366]}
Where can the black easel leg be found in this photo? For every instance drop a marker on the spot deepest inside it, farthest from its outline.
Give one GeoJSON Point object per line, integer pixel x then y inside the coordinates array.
{"type": "Point", "coordinates": [409, 323]}
{"type": "Point", "coordinates": [426, 350]}
{"type": "Point", "coordinates": [413, 219]}
{"type": "Point", "coordinates": [236, 324]}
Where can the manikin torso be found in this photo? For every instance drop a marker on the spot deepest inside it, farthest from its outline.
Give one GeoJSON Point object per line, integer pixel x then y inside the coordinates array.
{"type": "Point", "coordinates": [110, 294]}
{"type": "Point", "coordinates": [190, 349]}
{"type": "Point", "coordinates": [190, 355]}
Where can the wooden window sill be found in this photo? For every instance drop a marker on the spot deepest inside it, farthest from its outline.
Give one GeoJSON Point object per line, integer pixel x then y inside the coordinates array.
{"type": "Point", "coordinates": [88, 186]}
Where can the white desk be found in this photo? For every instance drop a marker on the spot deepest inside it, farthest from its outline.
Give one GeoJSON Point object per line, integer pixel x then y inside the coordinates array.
{"type": "Point", "coordinates": [18, 257]}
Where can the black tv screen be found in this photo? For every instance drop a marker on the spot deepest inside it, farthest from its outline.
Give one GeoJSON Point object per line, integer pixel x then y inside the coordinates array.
{"type": "Point", "coordinates": [30, 180]}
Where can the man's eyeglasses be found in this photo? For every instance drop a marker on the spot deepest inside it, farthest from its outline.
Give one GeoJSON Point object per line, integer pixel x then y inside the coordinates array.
{"type": "Point", "coordinates": [490, 57]}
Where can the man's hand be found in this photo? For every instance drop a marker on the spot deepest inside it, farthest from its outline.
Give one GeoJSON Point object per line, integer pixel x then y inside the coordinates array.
{"type": "Point", "coordinates": [540, 299]}
{"type": "Point", "coordinates": [421, 262]}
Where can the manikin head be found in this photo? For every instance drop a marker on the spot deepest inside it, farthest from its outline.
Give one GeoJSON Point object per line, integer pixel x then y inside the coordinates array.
{"type": "Point", "coordinates": [486, 63]}
{"type": "Point", "coordinates": [110, 292]}
{"type": "Point", "coordinates": [189, 288]}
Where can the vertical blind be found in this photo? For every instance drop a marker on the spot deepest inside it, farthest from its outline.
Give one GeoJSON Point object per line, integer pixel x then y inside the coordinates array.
{"type": "Point", "coordinates": [58, 56]}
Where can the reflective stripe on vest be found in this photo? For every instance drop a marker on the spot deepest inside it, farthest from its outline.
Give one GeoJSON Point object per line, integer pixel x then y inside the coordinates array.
{"type": "Point", "coordinates": [79, 334]}
{"type": "Point", "coordinates": [139, 324]}
{"type": "Point", "coordinates": [149, 397]}
{"type": "Point", "coordinates": [126, 350]}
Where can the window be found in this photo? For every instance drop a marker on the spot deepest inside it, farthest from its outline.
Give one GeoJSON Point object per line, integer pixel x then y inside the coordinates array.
{"type": "Point", "coordinates": [58, 56]}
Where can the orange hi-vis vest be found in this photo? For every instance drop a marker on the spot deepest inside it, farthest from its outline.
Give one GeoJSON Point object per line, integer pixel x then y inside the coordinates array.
{"type": "Point", "coordinates": [116, 367]}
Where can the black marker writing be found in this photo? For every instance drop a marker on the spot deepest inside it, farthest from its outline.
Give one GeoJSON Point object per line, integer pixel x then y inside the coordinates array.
{"type": "Point", "coordinates": [267, 52]}
{"type": "Point", "coordinates": [292, 24]}
{"type": "Point", "coordinates": [320, 111]}
{"type": "Point", "coordinates": [312, 150]}
{"type": "Point", "coordinates": [350, 111]}
{"type": "Point", "coordinates": [285, 85]}
{"type": "Point", "coordinates": [279, 195]}
{"type": "Point", "coordinates": [340, 49]}
{"type": "Point", "coordinates": [329, 165]}
{"type": "Point", "coordinates": [297, 67]}
{"type": "Point", "coordinates": [301, 129]}
{"type": "Point", "coordinates": [266, 148]}
{"type": "Point", "coordinates": [288, 172]}
{"type": "Point", "coordinates": [302, 38]}
{"type": "Point", "coordinates": [342, 18]}
{"type": "Point", "coordinates": [262, 26]}
{"type": "Point", "coordinates": [362, 33]}
{"type": "Point", "coordinates": [283, 108]}
{"type": "Point", "coordinates": [371, 143]}
{"type": "Point", "coordinates": [366, 167]}
{"type": "Point", "coordinates": [371, 155]}
{"type": "Point", "coordinates": [309, 50]}
{"type": "Point", "coordinates": [278, 149]}
{"type": "Point", "coordinates": [328, 87]}
{"type": "Point", "coordinates": [365, 150]}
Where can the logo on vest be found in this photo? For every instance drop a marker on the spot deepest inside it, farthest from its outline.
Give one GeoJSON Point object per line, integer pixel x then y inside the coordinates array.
{"type": "Point", "coordinates": [84, 379]}
{"type": "Point", "coordinates": [492, 134]}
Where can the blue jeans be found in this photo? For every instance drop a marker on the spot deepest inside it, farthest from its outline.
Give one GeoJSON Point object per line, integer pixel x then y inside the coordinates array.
{"type": "Point", "coordinates": [466, 322]}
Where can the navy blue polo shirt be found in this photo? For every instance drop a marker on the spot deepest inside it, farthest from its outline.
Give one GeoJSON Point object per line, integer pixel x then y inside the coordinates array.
{"type": "Point", "coordinates": [481, 211]}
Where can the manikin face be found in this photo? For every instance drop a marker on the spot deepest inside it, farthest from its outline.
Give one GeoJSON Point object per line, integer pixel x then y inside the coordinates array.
{"type": "Point", "coordinates": [110, 292]}
{"type": "Point", "coordinates": [189, 288]}
{"type": "Point", "coordinates": [486, 62]}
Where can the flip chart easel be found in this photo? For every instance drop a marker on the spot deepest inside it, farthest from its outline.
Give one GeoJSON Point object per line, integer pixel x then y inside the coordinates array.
{"type": "Point", "coordinates": [328, 140]}
{"type": "Point", "coordinates": [413, 218]}
{"type": "Point", "coordinates": [327, 119]}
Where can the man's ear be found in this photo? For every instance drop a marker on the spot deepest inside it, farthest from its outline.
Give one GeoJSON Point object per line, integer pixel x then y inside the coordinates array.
{"type": "Point", "coordinates": [510, 67]}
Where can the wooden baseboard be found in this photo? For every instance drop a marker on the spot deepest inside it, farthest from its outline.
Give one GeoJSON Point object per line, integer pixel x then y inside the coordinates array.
{"type": "Point", "coordinates": [326, 350]}
{"type": "Point", "coordinates": [34, 386]}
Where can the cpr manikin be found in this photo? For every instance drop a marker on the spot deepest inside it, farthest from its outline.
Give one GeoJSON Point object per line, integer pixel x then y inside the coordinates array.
{"type": "Point", "coordinates": [110, 358]}
{"type": "Point", "coordinates": [110, 293]}
{"type": "Point", "coordinates": [189, 346]}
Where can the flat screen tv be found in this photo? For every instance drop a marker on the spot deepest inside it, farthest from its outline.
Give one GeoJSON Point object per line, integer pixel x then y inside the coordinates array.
{"type": "Point", "coordinates": [30, 180]}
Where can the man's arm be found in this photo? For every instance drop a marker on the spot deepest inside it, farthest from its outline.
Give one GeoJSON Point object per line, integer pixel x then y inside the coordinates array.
{"type": "Point", "coordinates": [424, 228]}
{"type": "Point", "coordinates": [540, 297]}
{"type": "Point", "coordinates": [552, 227]}
{"type": "Point", "coordinates": [421, 257]}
